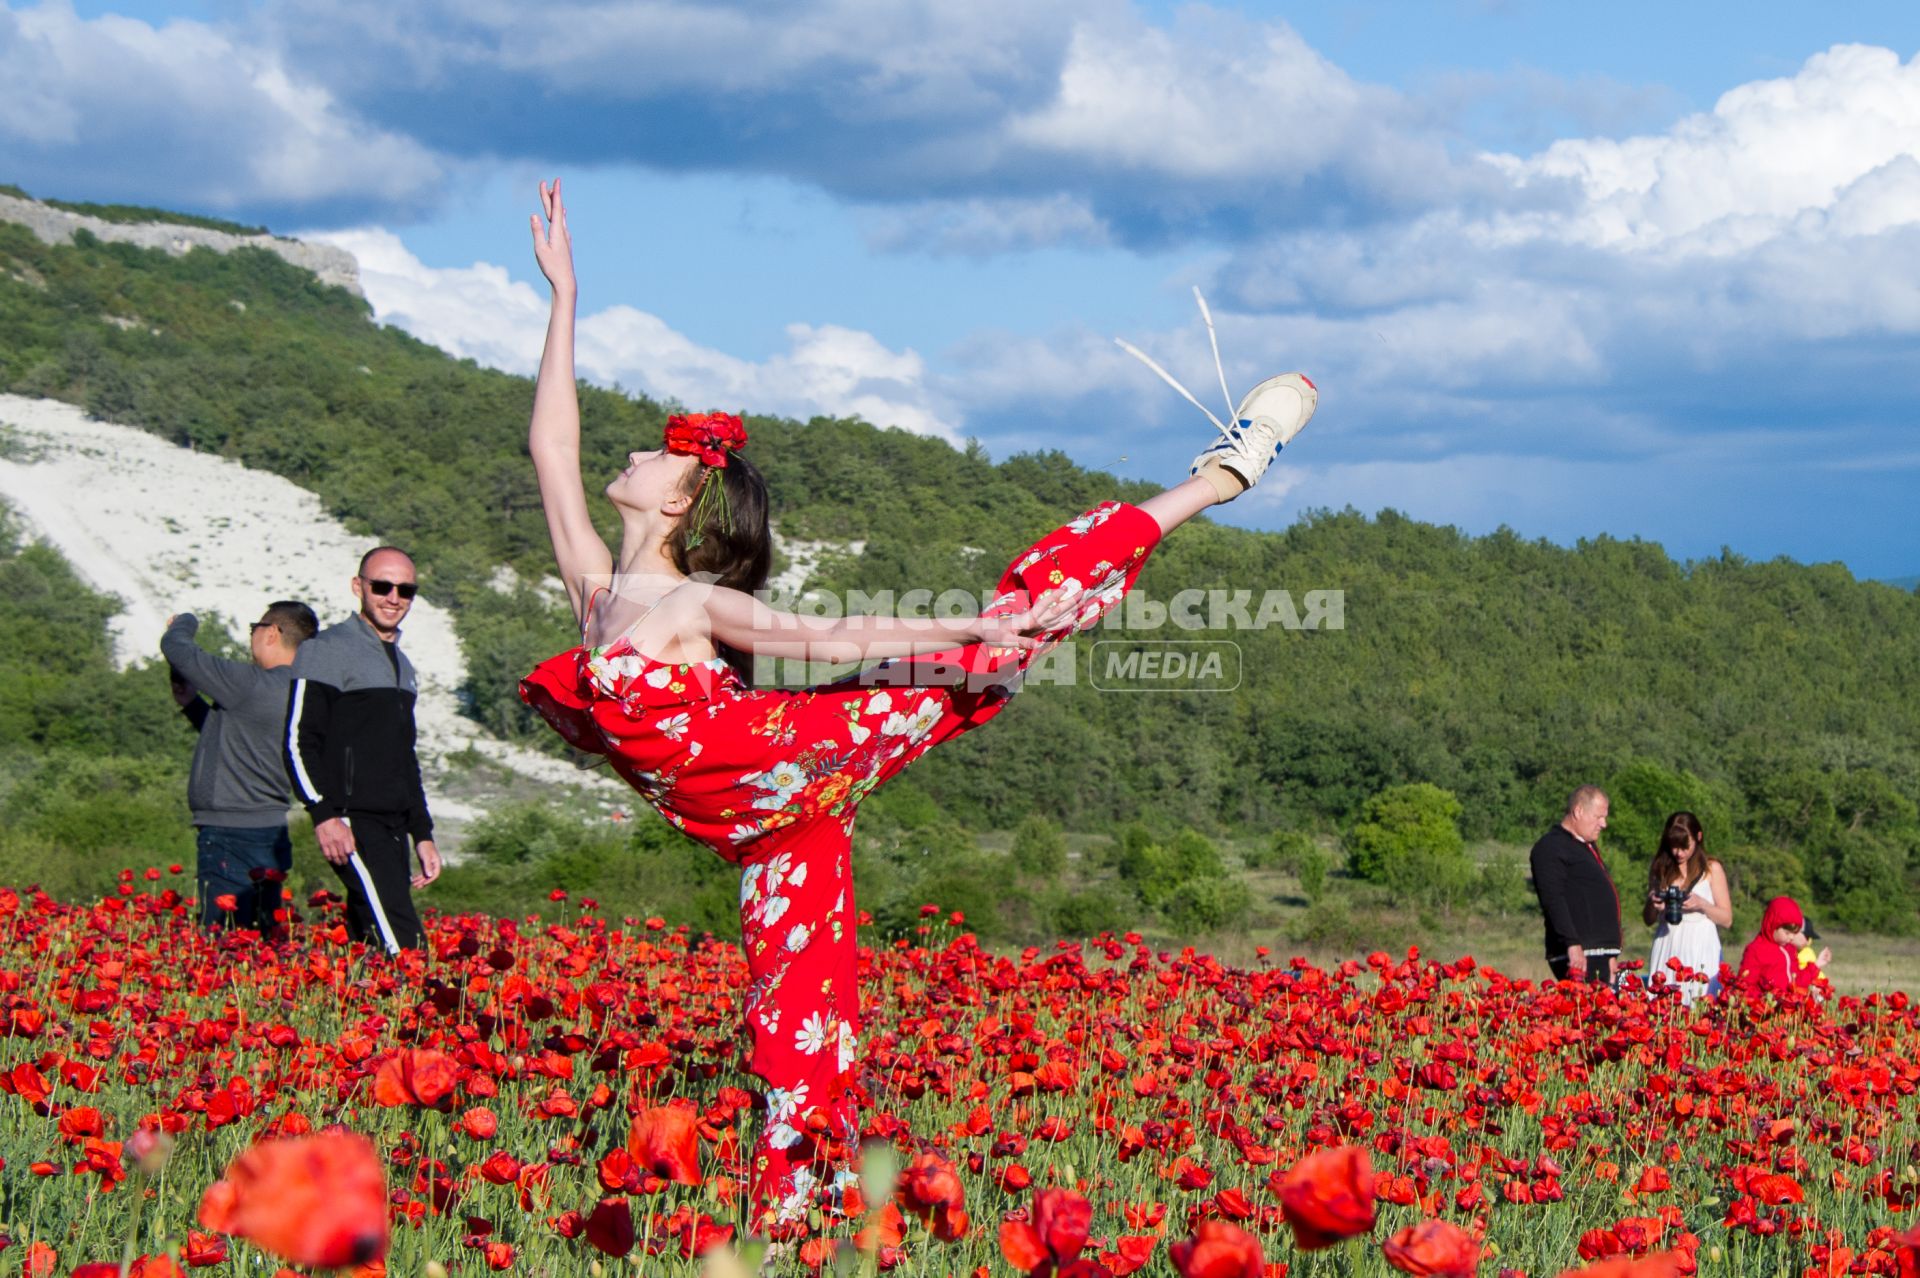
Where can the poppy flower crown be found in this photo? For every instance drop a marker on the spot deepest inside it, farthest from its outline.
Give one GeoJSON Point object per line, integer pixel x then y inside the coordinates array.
{"type": "Point", "coordinates": [713, 438]}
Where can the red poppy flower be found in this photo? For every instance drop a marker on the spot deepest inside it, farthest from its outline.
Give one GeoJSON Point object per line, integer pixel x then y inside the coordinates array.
{"type": "Point", "coordinates": [610, 1227]}
{"type": "Point", "coordinates": [1130, 1253]}
{"type": "Point", "coordinates": [1906, 1254]}
{"type": "Point", "coordinates": [1054, 1236]}
{"type": "Point", "coordinates": [885, 1228]}
{"type": "Point", "coordinates": [415, 1076]}
{"type": "Point", "coordinates": [204, 1249]}
{"type": "Point", "coordinates": [1328, 1196]}
{"type": "Point", "coordinates": [80, 1122]}
{"type": "Point", "coordinates": [931, 1189]}
{"type": "Point", "coordinates": [665, 1140]}
{"type": "Point", "coordinates": [500, 1168]}
{"type": "Point", "coordinates": [314, 1200]}
{"type": "Point", "coordinates": [708, 436]}
{"type": "Point", "coordinates": [1218, 1249]}
{"type": "Point", "coordinates": [1434, 1247]}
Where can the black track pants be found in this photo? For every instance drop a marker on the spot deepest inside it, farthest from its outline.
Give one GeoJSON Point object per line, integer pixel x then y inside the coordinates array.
{"type": "Point", "coordinates": [379, 883]}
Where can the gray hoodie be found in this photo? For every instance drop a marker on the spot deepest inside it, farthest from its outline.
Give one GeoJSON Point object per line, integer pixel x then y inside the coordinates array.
{"type": "Point", "coordinates": [239, 775]}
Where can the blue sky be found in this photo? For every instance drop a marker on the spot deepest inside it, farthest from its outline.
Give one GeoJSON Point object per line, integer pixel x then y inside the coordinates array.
{"type": "Point", "coordinates": [1633, 269]}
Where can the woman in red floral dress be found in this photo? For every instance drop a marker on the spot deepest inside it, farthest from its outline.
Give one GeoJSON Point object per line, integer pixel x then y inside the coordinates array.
{"type": "Point", "coordinates": [771, 779]}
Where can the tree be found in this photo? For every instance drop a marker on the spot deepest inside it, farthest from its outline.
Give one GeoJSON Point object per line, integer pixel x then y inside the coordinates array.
{"type": "Point", "coordinates": [1401, 822]}
{"type": "Point", "coordinates": [1039, 850]}
{"type": "Point", "coordinates": [1642, 795]}
{"type": "Point", "coordinates": [1408, 837]}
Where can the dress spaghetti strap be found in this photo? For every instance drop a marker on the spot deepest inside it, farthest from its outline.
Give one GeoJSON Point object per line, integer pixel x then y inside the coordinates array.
{"type": "Point", "coordinates": [586, 617]}
{"type": "Point", "coordinates": [587, 621]}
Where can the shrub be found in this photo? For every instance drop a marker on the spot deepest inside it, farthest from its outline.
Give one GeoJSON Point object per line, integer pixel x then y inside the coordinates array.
{"type": "Point", "coordinates": [101, 808]}
{"type": "Point", "coordinates": [1286, 852]}
{"type": "Point", "coordinates": [900, 804]}
{"type": "Point", "coordinates": [1408, 837]}
{"type": "Point", "coordinates": [1640, 798]}
{"type": "Point", "coordinates": [1312, 868]}
{"type": "Point", "coordinates": [1207, 905]}
{"type": "Point", "coordinates": [685, 884]}
{"type": "Point", "coordinates": [1146, 868]}
{"type": "Point", "coordinates": [1502, 886]}
{"type": "Point", "coordinates": [969, 885]}
{"type": "Point", "coordinates": [1864, 877]}
{"type": "Point", "coordinates": [522, 833]}
{"type": "Point", "coordinates": [1086, 913]}
{"type": "Point", "coordinates": [1039, 850]}
{"type": "Point", "coordinates": [1331, 924]}
{"type": "Point", "coordinates": [1194, 856]}
{"type": "Point", "coordinates": [1759, 873]}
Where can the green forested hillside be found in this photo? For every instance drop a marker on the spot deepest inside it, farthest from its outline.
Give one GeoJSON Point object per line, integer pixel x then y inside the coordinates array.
{"type": "Point", "coordinates": [1776, 698]}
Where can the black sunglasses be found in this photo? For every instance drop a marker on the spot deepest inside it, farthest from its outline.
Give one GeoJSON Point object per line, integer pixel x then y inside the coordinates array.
{"type": "Point", "coordinates": [407, 589]}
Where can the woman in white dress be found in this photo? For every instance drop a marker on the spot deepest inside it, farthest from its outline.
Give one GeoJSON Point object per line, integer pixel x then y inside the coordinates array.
{"type": "Point", "coordinates": [1686, 953]}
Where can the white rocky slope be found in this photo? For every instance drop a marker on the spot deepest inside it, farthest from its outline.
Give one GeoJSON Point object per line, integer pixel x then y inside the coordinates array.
{"type": "Point", "coordinates": [57, 226]}
{"type": "Point", "coordinates": [171, 530]}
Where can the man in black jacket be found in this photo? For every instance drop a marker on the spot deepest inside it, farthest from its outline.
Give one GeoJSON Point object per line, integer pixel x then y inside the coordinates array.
{"type": "Point", "coordinates": [1577, 897]}
{"type": "Point", "coordinates": [350, 751]}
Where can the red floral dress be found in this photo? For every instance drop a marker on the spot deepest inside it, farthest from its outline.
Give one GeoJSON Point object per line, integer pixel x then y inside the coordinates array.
{"type": "Point", "coordinates": [771, 779]}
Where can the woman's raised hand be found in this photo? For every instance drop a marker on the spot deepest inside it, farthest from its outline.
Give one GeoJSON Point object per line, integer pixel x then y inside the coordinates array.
{"type": "Point", "coordinates": [552, 248]}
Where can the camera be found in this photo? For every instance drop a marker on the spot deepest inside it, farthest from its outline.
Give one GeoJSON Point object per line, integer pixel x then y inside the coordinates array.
{"type": "Point", "coordinates": [1671, 900]}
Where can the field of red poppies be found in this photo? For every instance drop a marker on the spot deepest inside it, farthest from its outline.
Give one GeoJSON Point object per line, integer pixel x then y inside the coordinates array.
{"type": "Point", "coordinates": [551, 1098]}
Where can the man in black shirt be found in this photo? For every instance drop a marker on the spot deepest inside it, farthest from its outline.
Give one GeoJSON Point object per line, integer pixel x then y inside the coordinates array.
{"type": "Point", "coordinates": [1578, 901]}
{"type": "Point", "coordinates": [350, 751]}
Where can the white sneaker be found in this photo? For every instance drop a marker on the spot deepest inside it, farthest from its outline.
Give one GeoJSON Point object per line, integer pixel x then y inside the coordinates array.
{"type": "Point", "coordinates": [1271, 414]}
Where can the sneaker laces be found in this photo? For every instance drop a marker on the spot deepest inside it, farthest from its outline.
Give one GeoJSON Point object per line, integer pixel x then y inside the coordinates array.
{"type": "Point", "coordinates": [1213, 340]}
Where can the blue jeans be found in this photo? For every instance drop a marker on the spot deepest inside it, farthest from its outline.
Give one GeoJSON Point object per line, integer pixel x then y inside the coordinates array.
{"type": "Point", "coordinates": [249, 864]}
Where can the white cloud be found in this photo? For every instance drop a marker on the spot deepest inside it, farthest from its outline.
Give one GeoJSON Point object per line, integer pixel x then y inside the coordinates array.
{"type": "Point", "coordinates": [1726, 181]}
{"type": "Point", "coordinates": [1674, 272]}
{"type": "Point", "coordinates": [1213, 101]}
{"type": "Point", "coordinates": [1075, 120]}
{"type": "Point", "coordinates": [183, 114]}
{"type": "Point", "coordinates": [480, 312]}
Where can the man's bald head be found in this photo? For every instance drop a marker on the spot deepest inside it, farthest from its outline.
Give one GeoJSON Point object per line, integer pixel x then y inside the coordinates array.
{"type": "Point", "coordinates": [384, 557]}
{"type": "Point", "coordinates": [1586, 812]}
{"type": "Point", "coordinates": [385, 587]}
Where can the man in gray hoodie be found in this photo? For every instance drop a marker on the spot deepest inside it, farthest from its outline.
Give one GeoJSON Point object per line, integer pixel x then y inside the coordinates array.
{"type": "Point", "coordinates": [238, 785]}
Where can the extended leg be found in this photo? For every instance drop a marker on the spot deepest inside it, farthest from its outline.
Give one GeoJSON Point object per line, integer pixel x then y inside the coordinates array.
{"type": "Point", "coordinates": [803, 1011]}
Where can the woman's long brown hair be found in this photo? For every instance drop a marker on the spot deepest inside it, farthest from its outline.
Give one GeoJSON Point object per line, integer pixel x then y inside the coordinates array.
{"type": "Point", "coordinates": [734, 547]}
{"type": "Point", "coordinates": [1681, 829]}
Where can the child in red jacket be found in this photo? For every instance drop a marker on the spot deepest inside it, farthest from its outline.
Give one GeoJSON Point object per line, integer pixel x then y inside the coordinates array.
{"type": "Point", "coordinates": [1771, 961]}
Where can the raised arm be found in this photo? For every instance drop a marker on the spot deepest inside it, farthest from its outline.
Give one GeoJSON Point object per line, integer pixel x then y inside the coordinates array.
{"type": "Point", "coordinates": [227, 682]}
{"type": "Point", "coordinates": [742, 621]}
{"type": "Point", "coordinates": [553, 437]}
